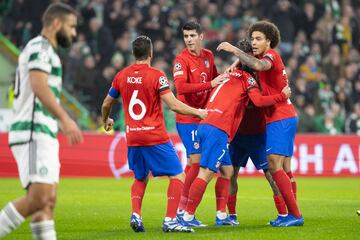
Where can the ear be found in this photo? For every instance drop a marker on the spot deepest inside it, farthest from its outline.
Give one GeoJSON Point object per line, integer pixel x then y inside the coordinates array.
{"type": "Point", "coordinates": [57, 24]}
{"type": "Point", "coordinates": [201, 36]}
{"type": "Point", "coordinates": [268, 42]}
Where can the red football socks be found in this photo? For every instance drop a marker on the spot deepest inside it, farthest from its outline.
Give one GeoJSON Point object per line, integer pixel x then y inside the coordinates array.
{"type": "Point", "coordinates": [187, 168]}
{"type": "Point", "coordinates": [280, 205]}
{"type": "Point", "coordinates": [189, 179]}
{"type": "Point", "coordinates": [196, 193]}
{"type": "Point", "coordinates": [231, 203]}
{"type": "Point", "coordinates": [222, 192]}
{"type": "Point", "coordinates": [173, 194]}
{"type": "Point", "coordinates": [137, 194]}
{"type": "Point", "coordinates": [293, 183]}
{"type": "Point", "coordinates": [284, 185]}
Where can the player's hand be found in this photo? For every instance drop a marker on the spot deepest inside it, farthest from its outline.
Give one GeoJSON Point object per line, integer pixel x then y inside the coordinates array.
{"type": "Point", "coordinates": [203, 113]}
{"type": "Point", "coordinates": [219, 79]}
{"type": "Point", "coordinates": [108, 125]}
{"type": "Point", "coordinates": [233, 66]}
{"type": "Point", "coordinates": [72, 131]}
{"type": "Point", "coordinates": [286, 91]}
{"type": "Point", "coordinates": [225, 46]}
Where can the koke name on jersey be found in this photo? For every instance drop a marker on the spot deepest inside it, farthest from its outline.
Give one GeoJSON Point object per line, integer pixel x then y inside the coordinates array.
{"type": "Point", "coordinates": [134, 80]}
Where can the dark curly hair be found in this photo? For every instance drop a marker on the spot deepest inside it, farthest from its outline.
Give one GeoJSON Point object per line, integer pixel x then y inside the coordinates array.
{"type": "Point", "coordinates": [270, 30]}
{"type": "Point", "coordinates": [244, 45]}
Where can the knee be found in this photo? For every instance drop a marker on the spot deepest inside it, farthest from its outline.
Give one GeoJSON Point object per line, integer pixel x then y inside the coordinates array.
{"type": "Point", "coordinates": [39, 202]}
{"type": "Point", "coordinates": [180, 176]}
{"type": "Point", "coordinates": [227, 172]}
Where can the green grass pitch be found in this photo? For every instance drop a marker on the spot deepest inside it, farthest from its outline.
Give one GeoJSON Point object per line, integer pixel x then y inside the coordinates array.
{"type": "Point", "coordinates": [100, 209]}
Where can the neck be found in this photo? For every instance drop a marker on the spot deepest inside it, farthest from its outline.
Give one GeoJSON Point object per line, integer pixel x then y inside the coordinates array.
{"type": "Point", "coordinates": [145, 61]}
{"type": "Point", "coordinates": [50, 35]}
{"type": "Point", "coordinates": [196, 52]}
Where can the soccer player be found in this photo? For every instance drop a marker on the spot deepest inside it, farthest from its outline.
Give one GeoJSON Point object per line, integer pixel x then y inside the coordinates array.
{"type": "Point", "coordinates": [281, 119]}
{"type": "Point", "coordinates": [142, 89]}
{"type": "Point", "coordinates": [33, 133]}
{"type": "Point", "coordinates": [226, 108]}
{"type": "Point", "coordinates": [250, 141]}
{"type": "Point", "coordinates": [195, 74]}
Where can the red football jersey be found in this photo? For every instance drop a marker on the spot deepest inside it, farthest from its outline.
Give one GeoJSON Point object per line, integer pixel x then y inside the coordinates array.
{"type": "Point", "coordinates": [228, 102]}
{"type": "Point", "coordinates": [140, 87]}
{"type": "Point", "coordinates": [192, 76]}
{"type": "Point", "coordinates": [253, 121]}
{"type": "Point", "coordinates": [272, 82]}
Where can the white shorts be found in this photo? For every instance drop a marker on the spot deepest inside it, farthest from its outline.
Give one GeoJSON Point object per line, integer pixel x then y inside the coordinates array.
{"type": "Point", "coordinates": [37, 161]}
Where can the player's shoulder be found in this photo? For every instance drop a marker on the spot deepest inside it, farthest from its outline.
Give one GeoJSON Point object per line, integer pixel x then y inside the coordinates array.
{"type": "Point", "coordinates": [207, 52]}
{"type": "Point", "coordinates": [272, 54]}
{"type": "Point", "coordinates": [237, 73]}
{"type": "Point", "coordinates": [155, 71]}
{"type": "Point", "coordinates": [39, 44]}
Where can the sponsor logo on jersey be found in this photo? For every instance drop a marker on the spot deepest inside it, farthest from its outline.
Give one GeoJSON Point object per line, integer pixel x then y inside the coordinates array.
{"type": "Point", "coordinates": [178, 73]}
{"type": "Point", "coordinates": [134, 80]}
{"type": "Point", "coordinates": [251, 81]}
{"type": "Point", "coordinates": [177, 66]}
{"type": "Point", "coordinates": [204, 77]}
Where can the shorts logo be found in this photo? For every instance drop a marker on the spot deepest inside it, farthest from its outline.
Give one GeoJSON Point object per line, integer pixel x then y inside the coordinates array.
{"type": "Point", "coordinates": [218, 163]}
{"type": "Point", "coordinates": [251, 81]}
{"type": "Point", "coordinates": [43, 171]}
{"type": "Point", "coordinates": [163, 81]}
{"type": "Point", "coordinates": [196, 145]}
{"type": "Point", "coordinates": [177, 66]}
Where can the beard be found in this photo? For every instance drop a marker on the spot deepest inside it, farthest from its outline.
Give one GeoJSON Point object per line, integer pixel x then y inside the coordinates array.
{"type": "Point", "coordinates": [62, 39]}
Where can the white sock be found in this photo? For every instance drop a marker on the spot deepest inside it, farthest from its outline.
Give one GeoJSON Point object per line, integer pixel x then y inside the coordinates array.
{"type": "Point", "coordinates": [188, 217]}
{"type": "Point", "coordinates": [221, 215]}
{"type": "Point", "coordinates": [10, 219]}
{"type": "Point", "coordinates": [44, 230]}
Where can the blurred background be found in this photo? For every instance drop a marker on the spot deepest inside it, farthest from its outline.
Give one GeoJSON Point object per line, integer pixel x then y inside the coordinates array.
{"type": "Point", "coordinates": [320, 45]}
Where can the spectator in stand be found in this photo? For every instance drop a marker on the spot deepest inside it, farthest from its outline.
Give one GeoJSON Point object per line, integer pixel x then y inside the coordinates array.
{"type": "Point", "coordinates": [333, 65]}
{"type": "Point", "coordinates": [352, 124]}
{"type": "Point", "coordinates": [306, 119]}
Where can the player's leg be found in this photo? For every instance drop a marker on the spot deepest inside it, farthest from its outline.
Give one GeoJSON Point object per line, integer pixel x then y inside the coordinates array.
{"type": "Point", "coordinates": [222, 194]}
{"type": "Point", "coordinates": [287, 169]}
{"type": "Point", "coordinates": [279, 145]}
{"type": "Point", "coordinates": [141, 171]}
{"type": "Point", "coordinates": [163, 160]}
{"type": "Point", "coordinates": [231, 203]}
{"type": "Point", "coordinates": [188, 135]}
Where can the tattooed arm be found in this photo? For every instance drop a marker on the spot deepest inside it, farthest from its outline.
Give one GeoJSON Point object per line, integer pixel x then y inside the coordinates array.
{"type": "Point", "coordinates": [246, 59]}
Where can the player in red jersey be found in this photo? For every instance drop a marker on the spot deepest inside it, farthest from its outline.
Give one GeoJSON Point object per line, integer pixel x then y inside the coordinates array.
{"type": "Point", "coordinates": [250, 142]}
{"type": "Point", "coordinates": [195, 74]}
{"type": "Point", "coordinates": [226, 106]}
{"type": "Point", "coordinates": [281, 119]}
{"type": "Point", "coordinates": [142, 89]}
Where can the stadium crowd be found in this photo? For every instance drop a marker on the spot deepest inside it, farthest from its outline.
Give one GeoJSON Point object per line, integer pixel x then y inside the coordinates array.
{"type": "Point", "coordinates": [320, 45]}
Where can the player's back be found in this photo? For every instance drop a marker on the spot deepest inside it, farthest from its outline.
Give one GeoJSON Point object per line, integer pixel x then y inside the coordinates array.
{"type": "Point", "coordinates": [194, 69]}
{"type": "Point", "coordinates": [253, 121]}
{"type": "Point", "coordinates": [272, 82]}
{"type": "Point", "coordinates": [140, 87]}
{"type": "Point", "coordinates": [228, 102]}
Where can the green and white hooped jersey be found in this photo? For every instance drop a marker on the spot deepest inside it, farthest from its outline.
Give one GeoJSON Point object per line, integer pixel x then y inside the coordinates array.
{"type": "Point", "coordinates": [31, 119]}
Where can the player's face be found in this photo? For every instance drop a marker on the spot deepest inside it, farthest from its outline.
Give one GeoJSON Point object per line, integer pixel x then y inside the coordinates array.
{"type": "Point", "coordinates": [259, 43]}
{"type": "Point", "coordinates": [192, 40]}
{"type": "Point", "coordinates": [67, 31]}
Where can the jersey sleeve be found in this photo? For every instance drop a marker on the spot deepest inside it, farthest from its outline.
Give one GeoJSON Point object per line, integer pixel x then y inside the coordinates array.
{"type": "Point", "coordinates": [162, 83]}
{"type": "Point", "coordinates": [39, 59]}
{"type": "Point", "coordinates": [250, 82]}
{"type": "Point", "coordinates": [264, 101]}
{"type": "Point", "coordinates": [180, 73]}
{"type": "Point", "coordinates": [115, 86]}
{"type": "Point", "coordinates": [270, 57]}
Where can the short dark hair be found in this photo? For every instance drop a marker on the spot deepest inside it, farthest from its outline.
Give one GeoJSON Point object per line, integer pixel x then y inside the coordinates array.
{"type": "Point", "coordinates": [57, 10]}
{"type": "Point", "coordinates": [269, 29]}
{"type": "Point", "coordinates": [192, 25]}
{"type": "Point", "coordinates": [244, 45]}
{"type": "Point", "coordinates": [141, 47]}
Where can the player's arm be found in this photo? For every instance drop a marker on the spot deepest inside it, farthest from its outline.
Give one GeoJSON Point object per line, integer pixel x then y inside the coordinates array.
{"type": "Point", "coordinates": [247, 59]}
{"type": "Point", "coordinates": [39, 85]}
{"type": "Point", "coordinates": [180, 107]}
{"type": "Point", "coordinates": [183, 87]}
{"type": "Point", "coordinates": [106, 107]}
{"type": "Point", "coordinates": [264, 101]}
